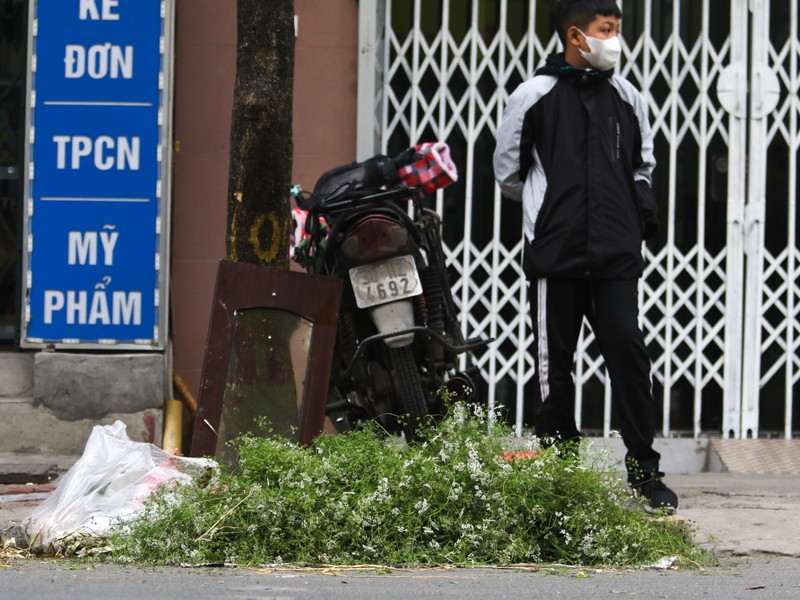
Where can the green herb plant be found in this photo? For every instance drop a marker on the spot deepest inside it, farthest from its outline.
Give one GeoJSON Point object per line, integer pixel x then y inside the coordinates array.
{"type": "Point", "coordinates": [459, 497]}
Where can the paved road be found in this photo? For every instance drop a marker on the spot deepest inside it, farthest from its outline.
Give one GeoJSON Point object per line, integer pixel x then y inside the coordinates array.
{"type": "Point", "coordinates": [761, 577]}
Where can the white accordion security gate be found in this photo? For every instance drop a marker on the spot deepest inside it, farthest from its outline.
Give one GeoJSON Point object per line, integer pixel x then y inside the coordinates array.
{"type": "Point", "coordinates": [719, 298]}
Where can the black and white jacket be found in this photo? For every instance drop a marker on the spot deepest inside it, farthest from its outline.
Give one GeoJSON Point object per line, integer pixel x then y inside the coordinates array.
{"type": "Point", "coordinates": [575, 146]}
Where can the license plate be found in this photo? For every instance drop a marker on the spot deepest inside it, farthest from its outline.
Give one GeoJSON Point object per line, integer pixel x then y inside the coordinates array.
{"type": "Point", "coordinates": [382, 282]}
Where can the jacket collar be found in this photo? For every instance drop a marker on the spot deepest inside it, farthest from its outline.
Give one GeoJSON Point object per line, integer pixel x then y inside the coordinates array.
{"type": "Point", "coordinates": [557, 65]}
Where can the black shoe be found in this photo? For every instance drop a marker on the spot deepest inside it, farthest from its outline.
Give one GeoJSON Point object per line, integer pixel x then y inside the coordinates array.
{"type": "Point", "coordinates": [653, 489]}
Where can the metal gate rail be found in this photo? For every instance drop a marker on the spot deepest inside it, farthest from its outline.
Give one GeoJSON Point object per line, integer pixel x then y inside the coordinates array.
{"type": "Point", "coordinates": [719, 306]}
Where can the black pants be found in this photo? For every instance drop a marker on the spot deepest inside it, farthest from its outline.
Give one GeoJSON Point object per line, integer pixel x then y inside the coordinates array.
{"type": "Point", "coordinates": [557, 310]}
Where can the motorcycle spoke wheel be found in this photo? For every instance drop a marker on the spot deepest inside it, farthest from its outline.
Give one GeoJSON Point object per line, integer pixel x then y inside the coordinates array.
{"type": "Point", "coordinates": [408, 388]}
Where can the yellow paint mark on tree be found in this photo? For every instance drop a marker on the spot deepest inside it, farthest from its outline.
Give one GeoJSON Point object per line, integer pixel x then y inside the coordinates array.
{"type": "Point", "coordinates": [265, 254]}
{"type": "Point", "coordinates": [233, 253]}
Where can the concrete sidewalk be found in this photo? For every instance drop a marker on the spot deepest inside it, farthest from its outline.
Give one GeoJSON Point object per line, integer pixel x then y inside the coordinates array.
{"type": "Point", "coordinates": [741, 514]}
{"type": "Point", "coordinates": [19, 497]}
{"type": "Point", "coordinates": [733, 513]}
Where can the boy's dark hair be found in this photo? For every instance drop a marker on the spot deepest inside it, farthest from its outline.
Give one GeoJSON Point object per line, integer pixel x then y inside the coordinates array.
{"type": "Point", "coordinates": [580, 13]}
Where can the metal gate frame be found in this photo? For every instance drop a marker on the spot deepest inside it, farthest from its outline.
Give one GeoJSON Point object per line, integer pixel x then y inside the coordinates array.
{"type": "Point", "coordinates": [703, 311]}
{"type": "Point", "coordinates": [771, 288]}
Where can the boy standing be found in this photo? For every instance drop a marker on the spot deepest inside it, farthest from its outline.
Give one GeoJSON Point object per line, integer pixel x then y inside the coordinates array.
{"type": "Point", "coordinates": [575, 146]}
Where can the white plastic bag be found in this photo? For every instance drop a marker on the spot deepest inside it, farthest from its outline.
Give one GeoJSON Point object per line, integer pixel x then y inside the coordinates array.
{"type": "Point", "coordinates": [109, 483]}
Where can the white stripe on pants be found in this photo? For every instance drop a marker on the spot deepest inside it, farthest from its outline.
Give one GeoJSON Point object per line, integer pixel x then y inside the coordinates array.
{"type": "Point", "coordinates": [541, 319]}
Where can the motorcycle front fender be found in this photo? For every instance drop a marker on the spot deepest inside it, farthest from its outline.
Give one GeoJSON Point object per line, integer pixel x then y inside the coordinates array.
{"type": "Point", "coordinates": [394, 316]}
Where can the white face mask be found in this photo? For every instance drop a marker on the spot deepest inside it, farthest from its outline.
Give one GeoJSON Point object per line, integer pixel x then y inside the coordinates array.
{"type": "Point", "coordinates": [604, 53]}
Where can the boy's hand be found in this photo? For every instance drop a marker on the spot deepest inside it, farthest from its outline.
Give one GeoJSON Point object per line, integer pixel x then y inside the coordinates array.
{"type": "Point", "coordinates": [649, 209]}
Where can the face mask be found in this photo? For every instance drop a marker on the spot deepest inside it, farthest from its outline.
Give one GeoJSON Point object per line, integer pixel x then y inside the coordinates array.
{"type": "Point", "coordinates": [604, 53]}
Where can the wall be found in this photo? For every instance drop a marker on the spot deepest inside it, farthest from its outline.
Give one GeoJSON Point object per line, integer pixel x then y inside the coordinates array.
{"type": "Point", "coordinates": [325, 87]}
{"type": "Point", "coordinates": [324, 122]}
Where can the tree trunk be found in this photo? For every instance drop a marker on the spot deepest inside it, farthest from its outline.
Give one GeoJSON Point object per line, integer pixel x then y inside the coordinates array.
{"type": "Point", "coordinates": [261, 134]}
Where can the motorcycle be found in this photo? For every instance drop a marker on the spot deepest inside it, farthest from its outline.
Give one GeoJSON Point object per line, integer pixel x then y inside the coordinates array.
{"type": "Point", "coordinates": [398, 338]}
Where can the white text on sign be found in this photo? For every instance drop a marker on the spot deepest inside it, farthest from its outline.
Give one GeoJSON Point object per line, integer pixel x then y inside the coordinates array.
{"type": "Point", "coordinates": [98, 62]}
{"type": "Point", "coordinates": [88, 10]}
{"type": "Point", "coordinates": [125, 307]}
{"type": "Point", "coordinates": [83, 247]}
{"type": "Point", "coordinates": [121, 153]}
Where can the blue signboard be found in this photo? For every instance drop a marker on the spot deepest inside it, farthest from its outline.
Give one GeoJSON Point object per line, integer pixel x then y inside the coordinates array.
{"type": "Point", "coordinates": [96, 174]}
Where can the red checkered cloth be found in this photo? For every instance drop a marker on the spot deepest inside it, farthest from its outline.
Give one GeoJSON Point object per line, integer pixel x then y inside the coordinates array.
{"type": "Point", "coordinates": [431, 168]}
